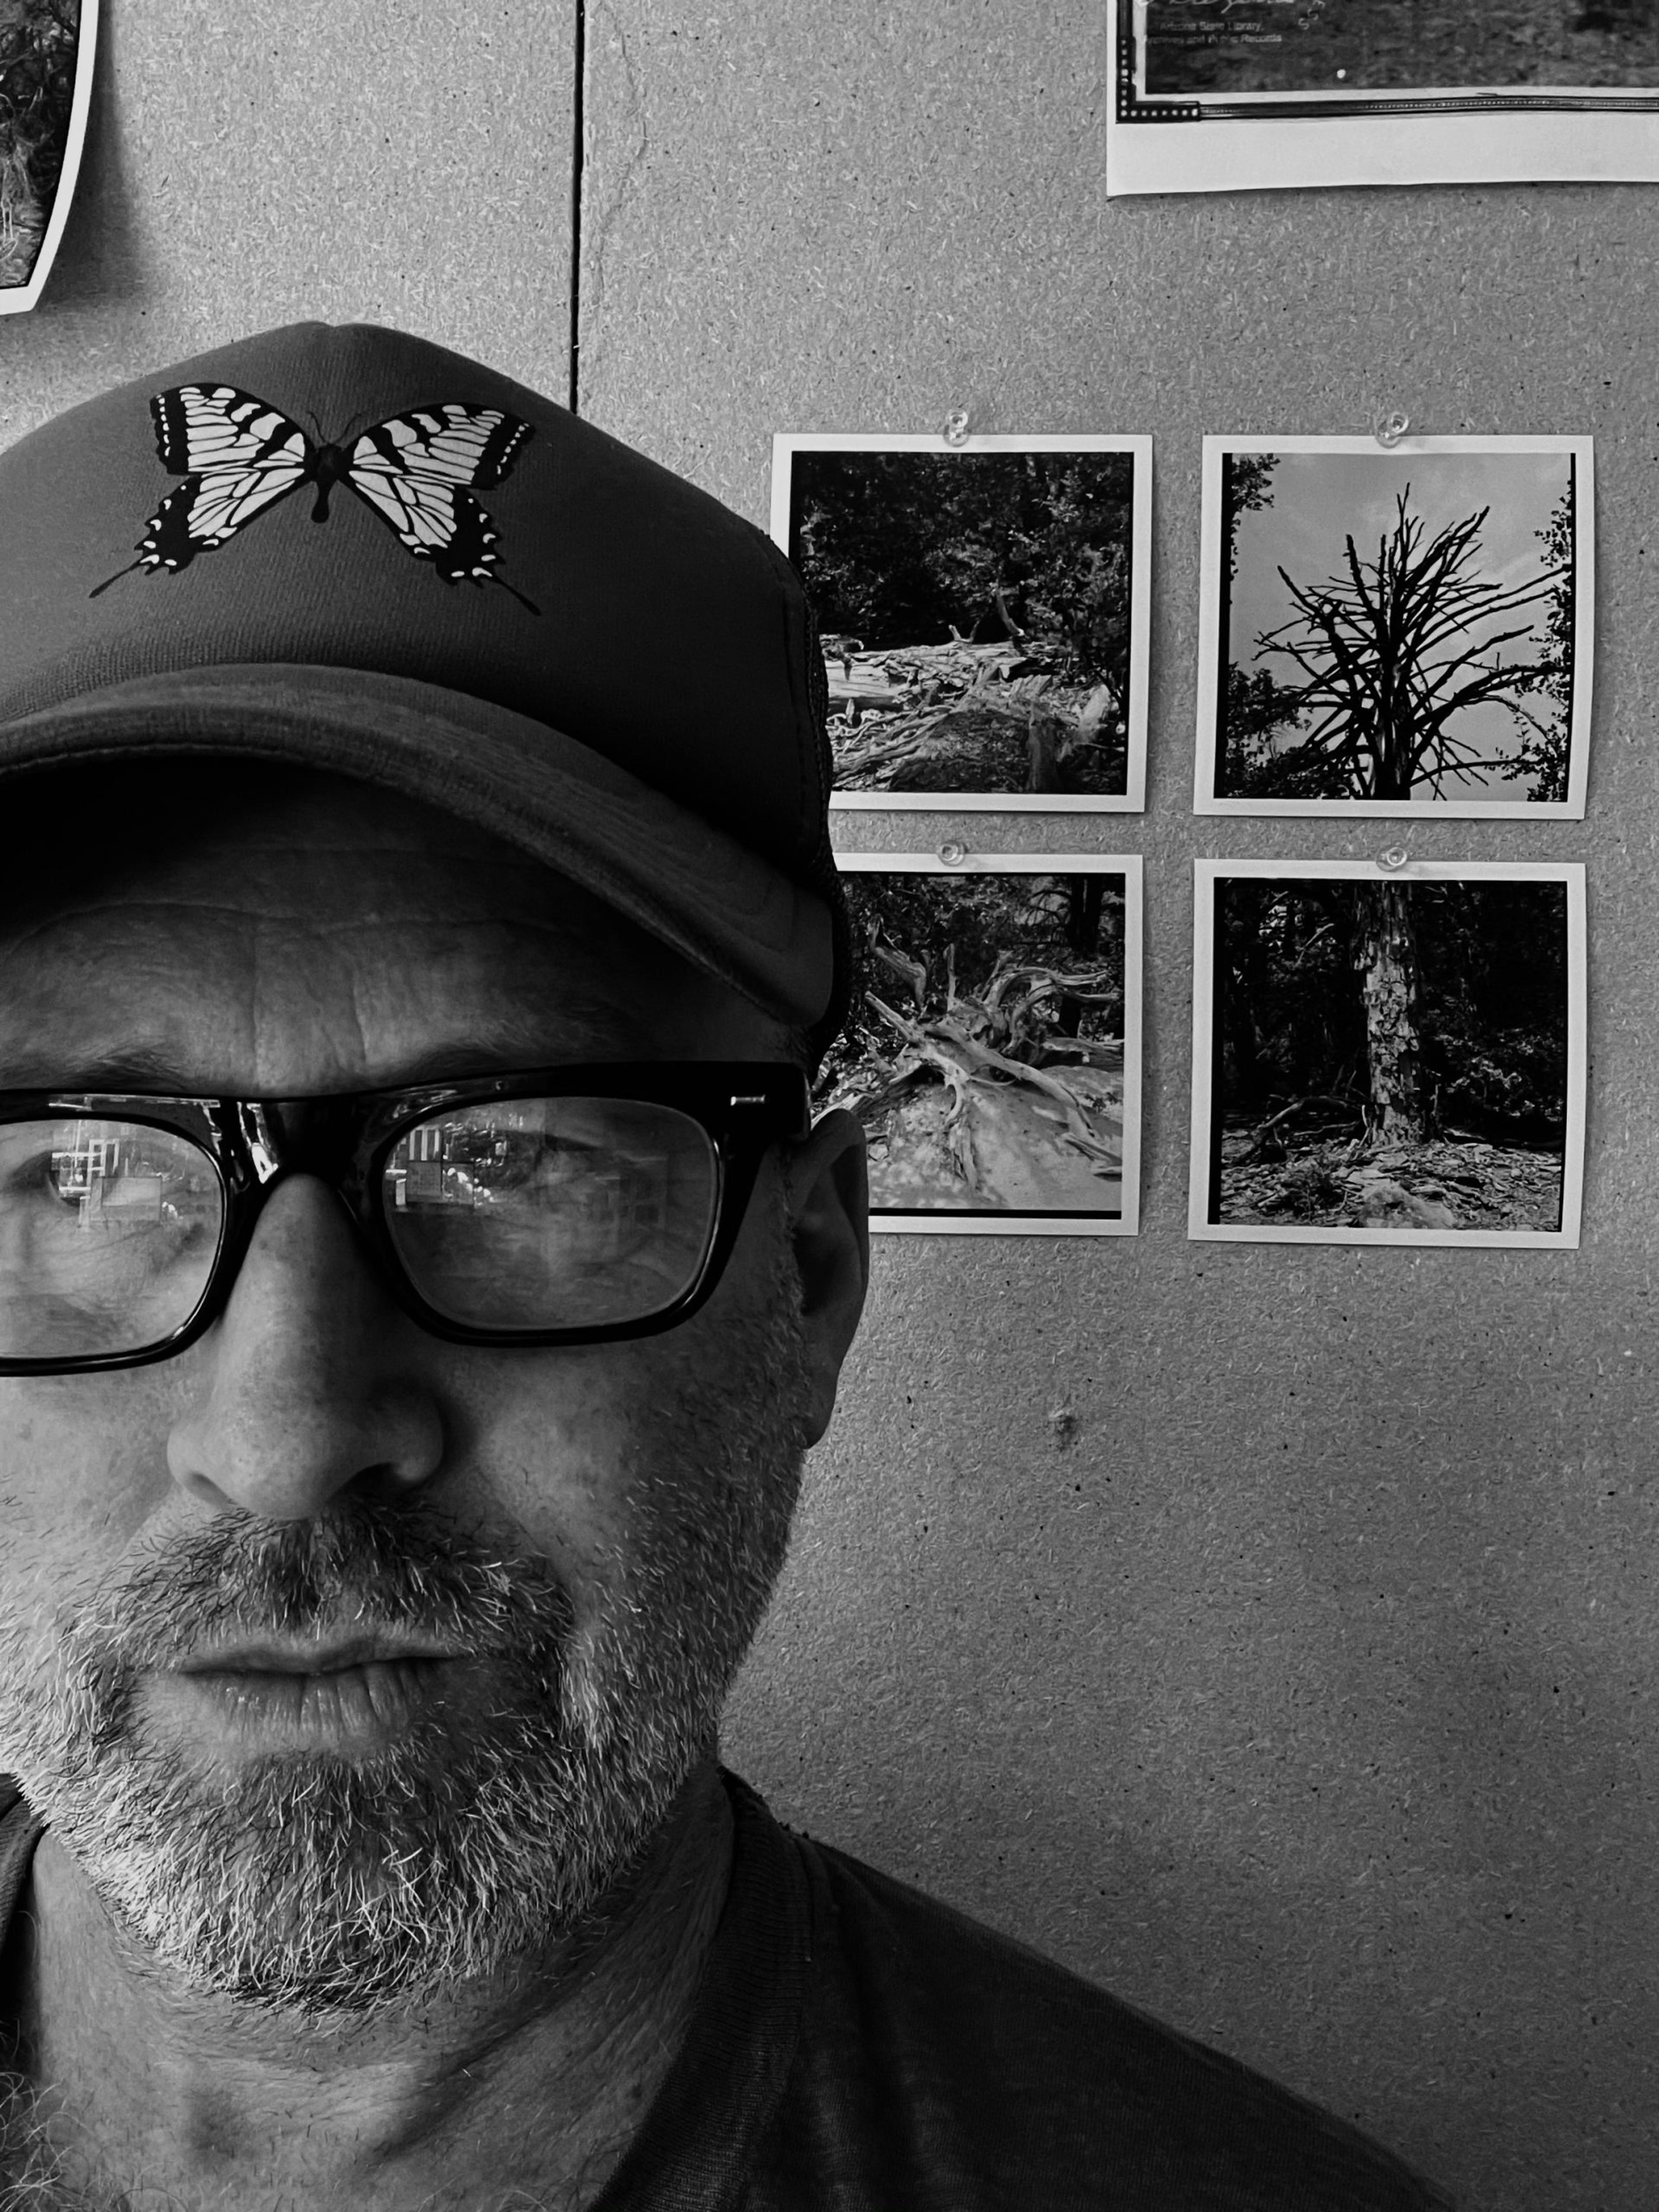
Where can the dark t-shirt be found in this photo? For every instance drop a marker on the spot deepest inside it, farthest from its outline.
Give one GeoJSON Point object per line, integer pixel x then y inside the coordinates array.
{"type": "Point", "coordinates": [858, 2047]}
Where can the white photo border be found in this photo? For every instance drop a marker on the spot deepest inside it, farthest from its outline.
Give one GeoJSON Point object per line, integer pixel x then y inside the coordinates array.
{"type": "Point", "coordinates": [785, 444]}
{"type": "Point", "coordinates": [1429, 135]}
{"type": "Point", "coordinates": [18, 298]}
{"type": "Point", "coordinates": [1571, 809]}
{"type": "Point", "coordinates": [1207, 872]}
{"type": "Point", "coordinates": [1129, 865]}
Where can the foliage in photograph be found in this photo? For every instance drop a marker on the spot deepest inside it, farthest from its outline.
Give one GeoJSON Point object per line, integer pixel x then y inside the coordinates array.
{"type": "Point", "coordinates": [1390, 1054]}
{"type": "Point", "coordinates": [1360, 46]}
{"type": "Point", "coordinates": [38, 40]}
{"type": "Point", "coordinates": [985, 1058]}
{"type": "Point", "coordinates": [975, 614]}
{"type": "Point", "coordinates": [1391, 654]}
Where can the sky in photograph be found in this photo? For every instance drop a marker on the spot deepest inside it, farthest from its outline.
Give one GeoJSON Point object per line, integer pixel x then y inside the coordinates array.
{"type": "Point", "coordinates": [1319, 500]}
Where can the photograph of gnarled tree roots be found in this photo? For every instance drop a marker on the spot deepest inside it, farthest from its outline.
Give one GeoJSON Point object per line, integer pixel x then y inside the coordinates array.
{"type": "Point", "coordinates": [987, 1057]}
{"type": "Point", "coordinates": [976, 612]}
{"type": "Point", "coordinates": [1389, 1055]}
{"type": "Point", "coordinates": [1198, 46]}
{"type": "Point", "coordinates": [38, 39]}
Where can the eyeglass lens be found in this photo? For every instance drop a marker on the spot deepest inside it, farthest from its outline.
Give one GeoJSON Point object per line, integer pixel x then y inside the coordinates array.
{"type": "Point", "coordinates": [522, 1215]}
{"type": "Point", "coordinates": [552, 1212]}
{"type": "Point", "coordinates": [108, 1231]}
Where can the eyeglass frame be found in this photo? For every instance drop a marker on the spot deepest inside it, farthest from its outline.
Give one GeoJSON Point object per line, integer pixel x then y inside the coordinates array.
{"type": "Point", "coordinates": [743, 1108]}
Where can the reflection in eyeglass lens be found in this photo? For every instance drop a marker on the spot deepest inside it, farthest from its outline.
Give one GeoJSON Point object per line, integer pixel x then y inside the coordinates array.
{"type": "Point", "coordinates": [108, 1235]}
{"type": "Point", "coordinates": [553, 1212]}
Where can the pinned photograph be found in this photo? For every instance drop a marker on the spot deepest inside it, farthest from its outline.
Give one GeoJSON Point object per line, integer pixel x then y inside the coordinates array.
{"type": "Point", "coordinates": [1388, 1052]}
{"type": "Point", "coordinates": [1223, 95]}
{"type": "Point", "coordinates": [984, 610]}
{"type": "Point", "coordinates": [1395, 631]}
{"type": "Point", "coordinates": [46, 84]}
{"type": "Point", "coordinates": [993, 1054]}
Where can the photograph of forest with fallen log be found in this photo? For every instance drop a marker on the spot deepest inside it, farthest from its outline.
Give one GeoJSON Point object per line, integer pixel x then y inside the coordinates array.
{"type": "Point", "coordinates": [1221, 47]}
{"type": "Point", "coordinates": [1403, 630]}
{"type": "Point", "coordinates": [1391, 1054]}
{"type": "Point", "coordinates": [992, 1057]}
{"type": "Point", "coordinates": [38, 51]}
{"type": "Point", "coordinates": [979, 619]}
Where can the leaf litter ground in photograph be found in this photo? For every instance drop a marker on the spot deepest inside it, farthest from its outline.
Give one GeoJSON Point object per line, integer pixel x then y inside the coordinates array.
{"type": "Point", "coordinates": [985, 1060]}
{"type": "Point", "coordinates": [1390, 1055]}
{"type": "Point", "coordinates": [37, 90]}
{"type": "Point", "coordinates": [1358, 45]}
{"type": "Point", "coordinates": [1457, 1183]}
{"type": "Point", "coordinates": [976, 613]}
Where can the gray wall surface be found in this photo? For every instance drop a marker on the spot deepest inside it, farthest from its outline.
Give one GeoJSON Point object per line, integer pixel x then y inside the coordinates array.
{"type": "Point", "coordinates": [1300, 1686]}
{"type": "Point", "coordinates": [1302, 1690]}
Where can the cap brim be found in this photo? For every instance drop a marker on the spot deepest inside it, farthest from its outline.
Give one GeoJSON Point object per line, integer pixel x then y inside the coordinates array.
{"type": "Point", "coordinates": [725, 909]}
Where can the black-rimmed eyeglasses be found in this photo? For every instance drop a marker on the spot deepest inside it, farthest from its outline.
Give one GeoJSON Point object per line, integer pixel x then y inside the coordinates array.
{"type": "Point", "coordinates": [559, 1206]}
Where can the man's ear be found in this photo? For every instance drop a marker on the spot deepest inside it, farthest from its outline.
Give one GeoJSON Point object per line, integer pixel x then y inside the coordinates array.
{"type": "Point", "coordinates": [829, 1206]}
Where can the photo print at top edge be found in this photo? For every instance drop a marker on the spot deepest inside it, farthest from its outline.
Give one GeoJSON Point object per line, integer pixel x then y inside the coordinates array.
{"type": "Point", "coordinates": [1396, 632]}
{"type": "Point", "coordinates": [1389, 1057]}
{"type": "Point", "coordinates": [994, 1052]}
{"type": "Point", "coordinates": [984, 614]}
{"type": "Point", "coordinates": [1213, 48]}
{"type": "Point", "coordinates": [1379, 92]}
{"type": "Point", "coordinates": [46, 50]}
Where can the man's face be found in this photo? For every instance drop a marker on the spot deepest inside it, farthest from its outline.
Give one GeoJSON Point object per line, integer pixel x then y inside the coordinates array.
{"type": "Point", "coordinates": [591, 1533]}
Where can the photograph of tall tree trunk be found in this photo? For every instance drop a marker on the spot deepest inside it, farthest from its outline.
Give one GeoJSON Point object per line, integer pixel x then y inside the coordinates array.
{"type": "Point", "coordinates": [1391, 1054]}
{"type": "Point", "coordinates": [1195, 47]}
{"type": "Point", "coordinates": [1396, 632]}
{"type": "Point", "coordinates": [994, 1055]}
{"type": "Point", "coordinates": [982, 613]}
{"type": "Point", "coordinates": [40, 63]}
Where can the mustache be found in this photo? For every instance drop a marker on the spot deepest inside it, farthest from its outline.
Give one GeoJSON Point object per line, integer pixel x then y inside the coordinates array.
{"type": "Point", "coordinates": [366, 1565]}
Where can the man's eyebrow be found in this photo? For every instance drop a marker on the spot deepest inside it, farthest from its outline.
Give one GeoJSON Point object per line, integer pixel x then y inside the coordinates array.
{"type": "Point", "coordinates": [134, 1067]}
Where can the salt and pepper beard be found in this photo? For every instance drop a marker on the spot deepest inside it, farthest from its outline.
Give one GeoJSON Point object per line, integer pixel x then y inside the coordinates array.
{"type": "Point", "coordinates": [340, 1887]}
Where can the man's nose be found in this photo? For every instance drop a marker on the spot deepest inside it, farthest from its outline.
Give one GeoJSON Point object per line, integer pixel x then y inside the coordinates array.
{"type": "Point", "coordinates": [310, 1387]}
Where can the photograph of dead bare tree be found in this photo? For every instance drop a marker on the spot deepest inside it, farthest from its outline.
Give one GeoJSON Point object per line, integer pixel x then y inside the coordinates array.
{"type": "Point", "coordinates": [1388, 1055]}
{"type": "Point", "coordinates": [983, 614]}
{"type": "Point", "coordinates": [994, 1057]}
{"type": "Point", "coordinates": [1396, 632]}
{"type": "Point", "coordinates": [45, 59]}
{"type": "Point", "coordinates": [1195, 47]}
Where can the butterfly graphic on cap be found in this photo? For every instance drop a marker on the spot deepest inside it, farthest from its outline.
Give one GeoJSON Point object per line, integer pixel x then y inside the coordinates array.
{"type": "Point", "coordinates": [239, 455]}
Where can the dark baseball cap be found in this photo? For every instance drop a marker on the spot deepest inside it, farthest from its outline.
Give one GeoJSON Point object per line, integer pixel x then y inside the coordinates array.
{"type": "Point", "coordinates": [346, 547]}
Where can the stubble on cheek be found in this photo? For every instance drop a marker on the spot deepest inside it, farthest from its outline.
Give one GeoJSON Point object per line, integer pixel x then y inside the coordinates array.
{"type": "Point", "coordinates": [332, 1884]}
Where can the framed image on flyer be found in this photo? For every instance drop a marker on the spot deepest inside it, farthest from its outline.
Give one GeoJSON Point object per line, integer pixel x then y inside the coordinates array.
{"type": "Point", "coordinates": [994, 1052]}
{"type": "Point", "coordinates": [985, 613]}
{"type": "Point", "coordinates": [1231, 95]}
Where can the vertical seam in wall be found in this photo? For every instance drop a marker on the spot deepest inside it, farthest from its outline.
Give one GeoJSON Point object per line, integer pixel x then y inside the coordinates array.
{"type": "Point", "coordinates": [578, 155]}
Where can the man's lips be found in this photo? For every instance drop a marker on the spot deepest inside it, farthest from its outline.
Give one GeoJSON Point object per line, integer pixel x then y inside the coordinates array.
{"type": "Point", "coordinates": [282, 1691]}
{"type": "Point", "coordinates": [275, 1657]}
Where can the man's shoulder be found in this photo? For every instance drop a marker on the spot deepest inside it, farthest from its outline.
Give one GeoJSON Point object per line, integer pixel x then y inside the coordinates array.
{"type": "Point", "coordinates": [979, 2051]}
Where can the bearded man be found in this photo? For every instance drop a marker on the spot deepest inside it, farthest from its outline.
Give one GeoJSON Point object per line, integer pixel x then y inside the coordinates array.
{"type": "Point", "coordinates": [420, 1280]}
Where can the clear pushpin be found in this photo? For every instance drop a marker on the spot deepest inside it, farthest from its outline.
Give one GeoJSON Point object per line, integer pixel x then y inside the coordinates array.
{"type": "Point", "coordinates": [1392, 858]}
{"type": "Point", "coordinates": [1388, 429]}
{"type": "Point", "coordinates": [954, 428]}
{"type": "Point", "coordinates": [953, 854]}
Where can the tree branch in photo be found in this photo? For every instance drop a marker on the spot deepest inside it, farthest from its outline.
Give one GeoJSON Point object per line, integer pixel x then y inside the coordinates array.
{"type": "Point", "coordinates": [1394, 654]}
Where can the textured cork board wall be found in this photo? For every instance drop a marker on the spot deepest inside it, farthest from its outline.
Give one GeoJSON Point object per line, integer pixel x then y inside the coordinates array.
{"type": "Point", "coordinates": [1267, 1633]}
{"type": "Point", "coordinates": [1298, 1682]}
{"type": "Point", "coordinates": [297, 158]}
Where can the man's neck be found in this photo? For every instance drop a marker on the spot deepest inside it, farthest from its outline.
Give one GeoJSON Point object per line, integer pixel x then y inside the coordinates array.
{"type": "Point", "coordinates": [535, 2082]}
